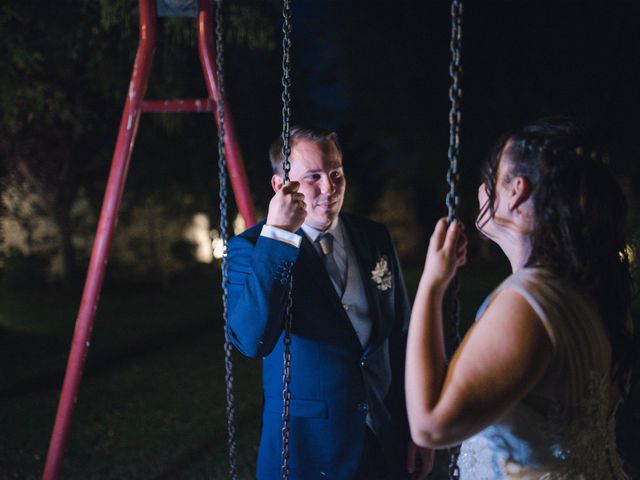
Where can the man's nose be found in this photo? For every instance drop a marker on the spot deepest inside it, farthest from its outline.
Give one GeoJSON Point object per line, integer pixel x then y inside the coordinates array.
{"type": "Point", "coordinates": [327, 185]}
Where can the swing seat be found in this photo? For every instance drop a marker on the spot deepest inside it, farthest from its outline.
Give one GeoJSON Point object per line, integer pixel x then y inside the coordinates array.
{"type": "Point", "coordinates": [177, 8]}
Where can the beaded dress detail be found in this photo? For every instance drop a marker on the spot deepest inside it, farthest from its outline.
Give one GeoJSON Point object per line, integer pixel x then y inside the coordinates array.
{"type": "Point", "coordinates": [565, 427]}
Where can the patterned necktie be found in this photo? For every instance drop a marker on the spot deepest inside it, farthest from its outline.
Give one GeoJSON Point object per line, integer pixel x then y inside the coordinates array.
{"type": "Point", "coordinates": [326, 246]}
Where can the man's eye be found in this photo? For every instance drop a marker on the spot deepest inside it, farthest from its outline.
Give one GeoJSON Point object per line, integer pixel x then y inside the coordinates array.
{"type": "Point", "coordinates": [336, 174]}
{"type": "Point", "coordinates": [312, 178]}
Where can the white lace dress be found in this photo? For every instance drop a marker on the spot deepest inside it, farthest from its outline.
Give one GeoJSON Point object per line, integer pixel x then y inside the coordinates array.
{"type": "Point", "coordinates": [563, 428]}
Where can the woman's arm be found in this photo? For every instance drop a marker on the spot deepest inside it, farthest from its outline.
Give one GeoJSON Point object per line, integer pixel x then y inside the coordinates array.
{"type": "Point", "coordinates": [501, 358]}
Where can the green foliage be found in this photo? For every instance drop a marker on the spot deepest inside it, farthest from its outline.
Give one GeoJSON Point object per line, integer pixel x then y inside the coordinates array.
{"type": "Point", "coordinates": [51, 75]}
{"type": "Point", "coordinates": [248, 26]}
{"type": "Point", "coordinates": [56, 102]}
{"type": "Point", "coordinates": [120, 16]}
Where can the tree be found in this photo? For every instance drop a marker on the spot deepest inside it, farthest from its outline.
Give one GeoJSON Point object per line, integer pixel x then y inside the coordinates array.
{"type": "Point", "coordinates": [62, 87]}
{"type": "Point", "coordinates": [56, 99]}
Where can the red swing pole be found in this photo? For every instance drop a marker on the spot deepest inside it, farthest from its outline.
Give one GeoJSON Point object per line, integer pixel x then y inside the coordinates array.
{"type": "Point", "coordinates": [235, 164]}
{"type": "Point", "coordinates": [106, 225]}
{"type": "Point", "coordinates": [134, 106]}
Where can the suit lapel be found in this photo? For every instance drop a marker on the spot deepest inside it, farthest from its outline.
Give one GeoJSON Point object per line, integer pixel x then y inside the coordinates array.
{"type": "Point", "coordinates": [312, 263]}
{"type": "Point", "coordinates": [365, 257]}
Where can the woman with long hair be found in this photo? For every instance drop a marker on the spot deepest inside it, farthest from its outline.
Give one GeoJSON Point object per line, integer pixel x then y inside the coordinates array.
{"type": "Point", "coordinates": [533, 388]}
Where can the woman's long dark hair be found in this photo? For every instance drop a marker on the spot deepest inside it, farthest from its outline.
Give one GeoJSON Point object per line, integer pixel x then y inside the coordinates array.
{"type": "Point", "coordinates": [579, 219]}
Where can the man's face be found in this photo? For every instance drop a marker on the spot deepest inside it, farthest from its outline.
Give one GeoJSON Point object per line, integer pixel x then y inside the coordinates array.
{"type": "Point", "coordinates": [318, 168]}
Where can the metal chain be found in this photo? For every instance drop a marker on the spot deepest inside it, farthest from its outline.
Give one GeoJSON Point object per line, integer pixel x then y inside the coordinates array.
{"type": "Point", "coordinates": [286, 380]}
{"type": "Point", "coordinates": [224, 236]}
{"type": "Point", "coordinates": [286, 167]}
{"type": "Point", "coordinates": [455, 118]}
{"type": "Point", "coordinates": [286, 86]}
{"type": "Point", "coordinates": [455, 114]}
{"type": "Point", "coordinates": [454, 469]}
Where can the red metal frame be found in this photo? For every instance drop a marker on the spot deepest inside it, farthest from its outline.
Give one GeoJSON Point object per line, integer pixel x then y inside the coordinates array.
{"type": "Point", "coordinates": [235, 165]}
{"type": "Point", "coordinates": [133, 107]}
{"type": "Point", "coordinates": [179, 106]}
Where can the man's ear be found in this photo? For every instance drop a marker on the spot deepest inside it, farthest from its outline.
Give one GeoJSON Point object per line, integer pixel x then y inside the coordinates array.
{"type": "Point", "coordinates": [276, 182]}
{"type": "Point", "coordinates": [520, 192]}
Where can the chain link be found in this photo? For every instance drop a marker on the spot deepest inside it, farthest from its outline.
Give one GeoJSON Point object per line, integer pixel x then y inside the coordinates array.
{"type": "Point", "coordinates": [286, 380]}
{"type": "Point", "coordinates": [286, 167]}
{"type": "Point", "coordinates": [286, 86]}
{"type": "Point", "coordinates": [455, 114]}
{"type": "Point", "coordinates": [224, 236]}
{"type": "Point", "coordinates": [455, 118]}
{"type": "Point", "coordinates": [454, 469]}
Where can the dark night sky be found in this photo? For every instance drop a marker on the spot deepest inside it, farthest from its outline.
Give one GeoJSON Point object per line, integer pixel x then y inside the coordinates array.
{"type": "Point", "coordinates": [378, 73]}
{"type": "Point", "coordinates": [521, 60]}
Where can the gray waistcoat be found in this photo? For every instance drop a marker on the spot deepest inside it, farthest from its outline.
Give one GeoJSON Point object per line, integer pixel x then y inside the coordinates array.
{"type": "Point", "coordinates": [354, 300]}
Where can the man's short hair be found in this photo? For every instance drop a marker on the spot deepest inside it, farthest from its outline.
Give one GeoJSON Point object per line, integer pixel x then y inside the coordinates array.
{"type": "Point", "coordinates": [318, 135]}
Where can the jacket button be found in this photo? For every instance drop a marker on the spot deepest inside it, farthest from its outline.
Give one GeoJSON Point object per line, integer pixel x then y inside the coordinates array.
{"type": "Point", "coordinates": [363, 407]}
{"type": "Point", "coordinates": [363, 363]}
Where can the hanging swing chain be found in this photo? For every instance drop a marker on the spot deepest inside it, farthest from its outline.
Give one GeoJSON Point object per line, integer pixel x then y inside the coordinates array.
{"type": "Point", "coordinates": [455, 114]}
{"type": "Point", "coordinates": [455, 118]}
{"type": "Point", "coordinates": [286, 380]}
{"type": "Point", "coordinates": [286, 86]}
{"type": "Point", "coordinates": [224, 236]}
{"type": "Point", "coordinates": [286, 168]}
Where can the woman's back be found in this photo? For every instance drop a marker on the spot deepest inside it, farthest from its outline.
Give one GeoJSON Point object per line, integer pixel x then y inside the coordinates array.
{"type": "Point", "coordinates": [564, 427]}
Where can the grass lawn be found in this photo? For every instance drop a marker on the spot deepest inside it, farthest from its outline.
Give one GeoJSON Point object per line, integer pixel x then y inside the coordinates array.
{"type": "Point", "coordinates": [151, 405]}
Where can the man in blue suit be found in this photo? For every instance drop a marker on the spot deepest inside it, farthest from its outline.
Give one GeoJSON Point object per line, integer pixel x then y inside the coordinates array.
{"type": "Point", "coordinates": [350, 312]}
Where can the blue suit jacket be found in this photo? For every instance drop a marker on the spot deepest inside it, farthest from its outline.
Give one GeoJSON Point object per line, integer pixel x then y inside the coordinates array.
{"type": "Point", "coordinates": [334, 381]}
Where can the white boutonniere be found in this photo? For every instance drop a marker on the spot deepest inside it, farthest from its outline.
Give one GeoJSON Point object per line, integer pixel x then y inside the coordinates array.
{"type": "Point", "coordinates": [381, 275]}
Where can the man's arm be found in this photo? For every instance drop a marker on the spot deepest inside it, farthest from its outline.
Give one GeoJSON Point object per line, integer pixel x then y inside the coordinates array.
{"type": "Point", "coordinates": [257, 281]}
{"type": "Point", "coordinates": [259, 273]}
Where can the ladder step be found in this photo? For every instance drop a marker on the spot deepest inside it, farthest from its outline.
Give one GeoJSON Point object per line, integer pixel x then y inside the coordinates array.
{"type": "Point", "coordinates": [179, 105]}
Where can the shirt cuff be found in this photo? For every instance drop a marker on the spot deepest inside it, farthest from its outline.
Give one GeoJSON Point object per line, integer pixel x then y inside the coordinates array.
{"type": "Point", "coordinates": [281, 235]}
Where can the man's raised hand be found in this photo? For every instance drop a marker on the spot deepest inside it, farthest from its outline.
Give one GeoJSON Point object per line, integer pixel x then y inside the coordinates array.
{"type": "Point", "coordinates": [287, 209]}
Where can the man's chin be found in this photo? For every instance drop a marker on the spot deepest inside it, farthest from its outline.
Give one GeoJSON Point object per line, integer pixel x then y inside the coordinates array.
{"type": "Point", "coordinates": [322, 223]}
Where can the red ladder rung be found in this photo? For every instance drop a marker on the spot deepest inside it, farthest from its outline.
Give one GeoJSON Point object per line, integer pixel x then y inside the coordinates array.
{"type": "Point", "coordinates": [179, 105]}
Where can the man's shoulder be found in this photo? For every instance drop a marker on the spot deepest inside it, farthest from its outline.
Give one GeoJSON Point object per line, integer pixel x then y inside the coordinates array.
{"type": "Point", "coordinates": [365, 224]}
{"type": "Point", "coordinates": [251, 233]}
